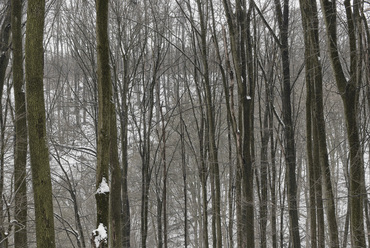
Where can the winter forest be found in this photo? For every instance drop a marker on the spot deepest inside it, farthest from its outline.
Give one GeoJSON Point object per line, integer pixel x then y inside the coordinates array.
{"type": "Point", "coordinates": [184, 123]}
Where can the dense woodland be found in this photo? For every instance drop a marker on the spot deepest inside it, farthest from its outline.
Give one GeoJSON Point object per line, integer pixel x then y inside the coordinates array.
{"type": "Point", "coordinates": [184, 123]}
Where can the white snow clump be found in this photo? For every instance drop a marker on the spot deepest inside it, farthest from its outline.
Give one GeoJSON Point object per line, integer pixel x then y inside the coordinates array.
{"type": "Point", "coordinates": [103, 187]}
{"type": "Point", "coordinates": [100, 234]}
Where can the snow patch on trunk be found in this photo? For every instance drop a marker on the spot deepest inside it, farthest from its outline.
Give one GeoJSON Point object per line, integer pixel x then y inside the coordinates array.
{"type": "Point", "coordinates": [103, 187]}
{"type": "Point", "coordinates": [100, 235]}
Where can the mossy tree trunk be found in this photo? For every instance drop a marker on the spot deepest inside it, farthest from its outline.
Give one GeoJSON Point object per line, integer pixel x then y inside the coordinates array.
{"type": "Point", "coordinates": [41, 178]}
{"type": "Point", "coordinates": [20, 153]}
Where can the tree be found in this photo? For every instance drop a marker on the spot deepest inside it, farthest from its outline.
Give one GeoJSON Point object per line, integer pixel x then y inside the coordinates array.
{"type": "Point", "coordinates": [348, 89]}
{"type": "Point", "coordinates": [20, 153]}
{"type": "Point", "coordinates": [4, 60]}
{"type": "Point", "coordinates": [105, 110]}
{"type": "Point", "coordinates": [210, 120]}
{"type": "Point", "coordinates": [316, 122]}
{"type": "Point", "coordinates": [41, 178]}
{"type": "Point", "coordinates": [282, 13]}
{"type": "Point", "coordinates": [243, 73]}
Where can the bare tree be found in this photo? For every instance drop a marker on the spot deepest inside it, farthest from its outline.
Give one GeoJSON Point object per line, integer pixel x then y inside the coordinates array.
{"type": "Point", "coordinates": [348, 89]}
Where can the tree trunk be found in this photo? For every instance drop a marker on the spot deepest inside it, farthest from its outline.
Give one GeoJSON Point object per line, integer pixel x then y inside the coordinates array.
{"type": "Point", "coordinates": [314, 81]}
{"type": "Point", "coordinates": [4, 60]}
{"type": "Point", "coordinates": [126, 222]}
{"type": "Point", "coordinates": [241, 50]}
{"type": "Point", "coordinates": [41, 178]}
{"type": "Point", "coordinates": [265, 136]}
{"type": "Point", "coordinates": [213, 150]}
{"type": "Point", "coordinates": [20, 153]}
{"type": "Point", "coordinates": [289, 143]}
{"type": "Point", "coordinates": [115, 195]}
{"type": "Point", "coordinates": [273, 176]}
{"type": "Point", "coordinates": [104, 118]}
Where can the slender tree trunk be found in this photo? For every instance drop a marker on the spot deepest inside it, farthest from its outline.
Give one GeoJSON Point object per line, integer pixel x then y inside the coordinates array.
{"type": "Point", "coordinates": [318, 190]}
{"type": "Point", "coordinates": [273, 175]}
{"type": "Point", "coordinates": [184, 176]}
{"type": "Point", "coordinates": [41, 178]}
{"type": "Point", "coordinates": [145, 155]}
{"type": "Point", "coordinates": [309, 131]}
{"type": "Point", "coordinates": [164, 193]}
{"type": "Point", "coordinates": [115, 195]}
{"type": "Point", "coordinates": [265, 135]}
{"type": "Point", "coordinates": [126, 222]}
{"type": "Point", "coordinates": [104, 125]}
{"type": "Point", "coordinates": [20, 153]}
{"type": "Point", "coordinates": [310, 164]}
{"type": "Point", "coordinates": [313, 70]}
{"type": "Point", "coordinates": [4, 60]}
{"type": "Point", "coordinates": [324, 160]}
{"type": "Point", "coordinates": [213, 152]}
{"type": "Point", "coordinates": [289, 143]}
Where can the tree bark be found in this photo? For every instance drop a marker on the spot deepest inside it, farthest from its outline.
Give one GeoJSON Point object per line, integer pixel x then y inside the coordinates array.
{"type": "Point", "coordinates": [126, 222]}
{"type": "Point", "coordinates": [41, 178]}
{"type": "Point", "coordinates": [104, 118]}
{"type": "Point", "coordinates": [115, 195]}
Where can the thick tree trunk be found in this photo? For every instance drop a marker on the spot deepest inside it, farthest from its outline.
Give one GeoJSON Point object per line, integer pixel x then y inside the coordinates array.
{"type": "Point", "coordinates": [41, 178]}
{"type": "Point", "coordinates": [20, 153]}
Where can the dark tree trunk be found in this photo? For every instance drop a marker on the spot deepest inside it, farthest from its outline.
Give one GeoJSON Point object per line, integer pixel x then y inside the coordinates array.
{"type": "Point", "coordinates": [289, 143]}
{"type": "Point", "coordinates": [104, 119]}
